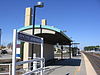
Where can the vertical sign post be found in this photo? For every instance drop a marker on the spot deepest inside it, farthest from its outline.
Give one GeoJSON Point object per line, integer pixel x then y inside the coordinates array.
{"type": "Point", "coordinates": [14, 52]}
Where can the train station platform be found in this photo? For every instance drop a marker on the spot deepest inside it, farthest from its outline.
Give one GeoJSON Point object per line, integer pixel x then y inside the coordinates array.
{"type": "Point", "coordinates": [79, 65]}
{"type": "Point", "coordinates": [88, 66]}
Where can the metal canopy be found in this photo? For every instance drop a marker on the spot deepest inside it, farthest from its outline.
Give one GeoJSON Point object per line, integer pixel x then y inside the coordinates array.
{"type": "Point", "coordinates": [58, 37]}
{"type": "Point", "coordinates": [54, 39]}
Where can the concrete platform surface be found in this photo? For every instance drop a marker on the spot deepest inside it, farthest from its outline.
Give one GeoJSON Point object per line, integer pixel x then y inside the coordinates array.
{"type": "Point", "coordinates": [65, 67]}
{"type": "Point", "coordinates": [79, 65]}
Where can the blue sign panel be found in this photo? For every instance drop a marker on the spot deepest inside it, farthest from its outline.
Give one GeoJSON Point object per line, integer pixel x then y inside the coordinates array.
{"type": "Point", "coordinates": [28, 38]}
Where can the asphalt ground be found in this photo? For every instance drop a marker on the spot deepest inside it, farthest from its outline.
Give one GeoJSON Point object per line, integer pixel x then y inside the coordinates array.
{"type": "Point", "coordinates": [4, 58]}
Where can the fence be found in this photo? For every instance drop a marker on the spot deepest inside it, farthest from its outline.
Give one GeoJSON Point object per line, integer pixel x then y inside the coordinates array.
{"type": "Point", "coordinates": [5, 69]}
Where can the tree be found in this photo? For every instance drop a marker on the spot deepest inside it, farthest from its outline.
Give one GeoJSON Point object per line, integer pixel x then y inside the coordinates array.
{"type": "Point", "coordinates": [89, 48]}
{"type": "Point", "coordinates": [10, 45]}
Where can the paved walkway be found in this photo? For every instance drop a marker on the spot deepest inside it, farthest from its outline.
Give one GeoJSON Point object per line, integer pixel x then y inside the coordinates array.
{"type": "Point", "coordinates": [65, 67]}
{"type": "Point", "coordinates": [75, 66]}
{"type": "Point", "coordinates": [81, 69]}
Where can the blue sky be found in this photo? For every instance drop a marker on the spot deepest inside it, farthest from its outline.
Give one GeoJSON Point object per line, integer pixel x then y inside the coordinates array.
{"type": "Point", "coordinates": [80, 18]}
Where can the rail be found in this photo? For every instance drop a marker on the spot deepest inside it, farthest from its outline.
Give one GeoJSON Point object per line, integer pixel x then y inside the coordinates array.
{"type": "Point", "coordinates": [35, 65]}
{"type": "Point", "coordinates": [94, 60]}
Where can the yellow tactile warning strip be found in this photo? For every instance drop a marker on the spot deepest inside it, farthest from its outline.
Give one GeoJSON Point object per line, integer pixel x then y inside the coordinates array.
{"type": "Point", "coordinates": [77, 69]}
{"type": "Point", "coordinates": [89, 69]}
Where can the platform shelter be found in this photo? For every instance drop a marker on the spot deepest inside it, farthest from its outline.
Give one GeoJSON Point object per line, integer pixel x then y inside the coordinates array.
{"type": "Point", "coordinates": [51, 36]}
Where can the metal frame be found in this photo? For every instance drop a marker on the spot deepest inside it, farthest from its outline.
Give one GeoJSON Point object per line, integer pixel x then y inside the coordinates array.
{"type": "Point", "coordinates": [14, 63]}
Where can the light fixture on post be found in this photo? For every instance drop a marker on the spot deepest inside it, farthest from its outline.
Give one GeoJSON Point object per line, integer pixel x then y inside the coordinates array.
{"type": "Point", "coordinates": [40, 5]}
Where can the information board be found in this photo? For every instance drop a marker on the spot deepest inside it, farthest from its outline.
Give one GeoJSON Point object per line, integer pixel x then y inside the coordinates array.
{"type": "Point", "coordinates": [28, 38]}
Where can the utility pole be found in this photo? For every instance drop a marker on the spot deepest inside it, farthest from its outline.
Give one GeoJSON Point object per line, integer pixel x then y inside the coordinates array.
{"type": "Point", "coordinates": [0, 37]}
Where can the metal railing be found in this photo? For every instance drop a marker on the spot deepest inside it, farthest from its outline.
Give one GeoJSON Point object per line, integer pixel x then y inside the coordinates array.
{"type": "Point", "coordinates": [36, 69]}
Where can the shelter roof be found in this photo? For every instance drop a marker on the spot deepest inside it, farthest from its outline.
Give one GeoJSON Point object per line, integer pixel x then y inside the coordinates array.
{"type": "Point", "coordinates": [59, 36]}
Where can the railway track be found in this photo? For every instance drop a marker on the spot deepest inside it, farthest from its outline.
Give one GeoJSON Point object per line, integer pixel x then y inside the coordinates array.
{"type": "Point", "coordinates": [94, 60]}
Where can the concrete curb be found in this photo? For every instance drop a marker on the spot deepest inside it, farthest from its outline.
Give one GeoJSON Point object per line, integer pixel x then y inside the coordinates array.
{"type": "Point", "coordinates": [89, 69]}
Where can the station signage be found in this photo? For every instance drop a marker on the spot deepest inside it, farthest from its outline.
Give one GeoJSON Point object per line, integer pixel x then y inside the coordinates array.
{"type": "Point", "coordinates": [28, 38]}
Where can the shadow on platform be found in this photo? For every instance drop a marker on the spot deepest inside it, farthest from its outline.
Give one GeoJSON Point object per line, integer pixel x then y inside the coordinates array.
{"type": "Point", "coordinates": [56, 64]}
{"type": "Point", "coordinates": [66, 62]}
